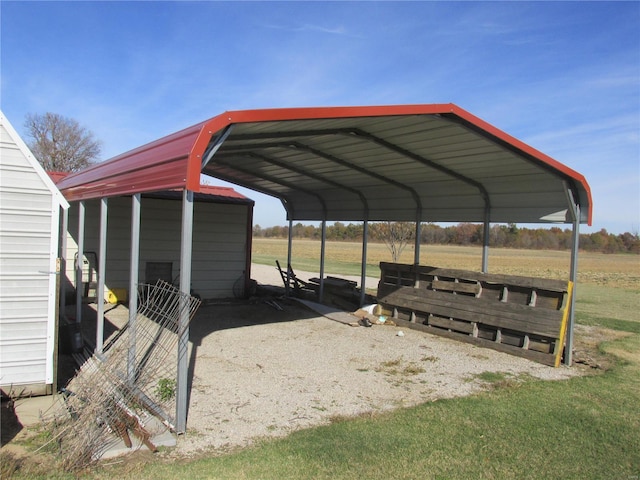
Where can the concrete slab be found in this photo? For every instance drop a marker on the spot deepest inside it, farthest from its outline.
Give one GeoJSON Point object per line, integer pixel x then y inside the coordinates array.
{"type": "Point", "coordinates": [329, 312]}
{"type": "Point", "coordinates": [161, 436]}
{"type": "Point", "coordinates": [31, 410]}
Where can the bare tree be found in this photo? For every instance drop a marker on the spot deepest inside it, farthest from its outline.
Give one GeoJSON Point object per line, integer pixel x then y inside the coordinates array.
{"type": "Point", "coordinates": [61, 144]}
{"type": "Point", "coordinates": [396, 235]}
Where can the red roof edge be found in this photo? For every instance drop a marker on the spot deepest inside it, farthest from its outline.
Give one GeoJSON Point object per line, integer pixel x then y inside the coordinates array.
{"type": "Point", "coordinates": [57, 176]}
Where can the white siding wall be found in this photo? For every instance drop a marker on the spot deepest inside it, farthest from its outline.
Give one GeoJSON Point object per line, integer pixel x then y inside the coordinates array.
{"type": "Point", "coordinates": [219, 241]}
{"type": "Point", "coordinates": [29, 214]}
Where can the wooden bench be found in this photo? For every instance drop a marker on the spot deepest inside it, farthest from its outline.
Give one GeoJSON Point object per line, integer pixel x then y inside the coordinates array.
{"type": "Point", "coordinates": [524, 316]}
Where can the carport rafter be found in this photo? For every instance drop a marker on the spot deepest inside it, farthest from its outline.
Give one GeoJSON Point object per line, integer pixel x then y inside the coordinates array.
{"type": "Point", "coordinates": [364, 171]}
{"type": "Point", "coordinates": [284, 199]}
{"type": "Point", "coordinates": [425, 161]}
{"type": "Point", "coordinates": [272, 179]}
{"type": "Point", "coordinates": [310, 174]}
{"type": "Point", "coordinates": [360, 134]}
{"type": "Point", "coordinates": [332, 158]}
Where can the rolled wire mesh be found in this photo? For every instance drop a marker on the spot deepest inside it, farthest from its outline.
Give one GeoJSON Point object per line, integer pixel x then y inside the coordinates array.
{"type": "Point", "coordinates": [116, 392]}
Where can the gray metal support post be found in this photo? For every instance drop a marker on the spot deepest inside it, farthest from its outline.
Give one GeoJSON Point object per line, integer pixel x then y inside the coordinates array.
{"type": "Point", "coordinates": [416, 250]}
{"type": "Point", "coordinates": [102, 264]}
{"type": "Point", "coordinates": [416, 255]}
{"type": "Point", "coordinates": [289, 253]}
{"type": "Point", "coordinates": [573, 276]}
{"type": "Point", "coordinates": [134, 260]}
{"type": "Point", "coordinates": [363, 273]}
{"type": "Point", "coordinates": [186, 246]}
{"type": "Point", "coordinates": [485, 243]}
{"type": "Point", "coordinates": [322, 255]}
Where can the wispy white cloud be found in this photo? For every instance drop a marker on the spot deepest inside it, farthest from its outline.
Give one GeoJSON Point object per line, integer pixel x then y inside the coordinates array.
{"type": "Point", "coordinates": [339, 30]}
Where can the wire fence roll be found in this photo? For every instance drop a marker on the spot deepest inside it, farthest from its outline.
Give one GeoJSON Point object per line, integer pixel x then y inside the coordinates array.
{"type": "Point", "coordinates": [121, 391]}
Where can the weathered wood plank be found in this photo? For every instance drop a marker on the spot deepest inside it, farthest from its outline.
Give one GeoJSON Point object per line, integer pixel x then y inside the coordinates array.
{"type": "Point", "coordinates": [457, 287]}
{"type": "Point", "coordinates": [515, 280]}
{"type": "Point", "coordinates": [448, 323]}
{"type": "Point", "coordinates": [501, 315]}
{"type": "Point", "coordinates": [545, 359]}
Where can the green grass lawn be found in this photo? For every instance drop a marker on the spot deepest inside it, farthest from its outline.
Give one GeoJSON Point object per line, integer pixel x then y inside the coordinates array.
{"type": "Point", "coordinates": [584, 428]}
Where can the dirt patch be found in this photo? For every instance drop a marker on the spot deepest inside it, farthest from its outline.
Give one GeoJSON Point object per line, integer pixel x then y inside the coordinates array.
{"type": "Point", "coordinates": [586, 351]}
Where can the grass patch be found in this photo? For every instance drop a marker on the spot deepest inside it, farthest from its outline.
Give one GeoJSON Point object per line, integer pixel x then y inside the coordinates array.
{"type": "Point", "coordinates": [612, 323]}
{"type": "Point", "coordinates": [492, 377]}
{"type": "Point", "coordinates": [430, 358]}
{"type": "Point", "coordinates": [396, 367]}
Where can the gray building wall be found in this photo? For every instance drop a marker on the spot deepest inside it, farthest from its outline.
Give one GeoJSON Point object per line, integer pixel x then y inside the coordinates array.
{"type": "Point", "coordinates": [220, 243]}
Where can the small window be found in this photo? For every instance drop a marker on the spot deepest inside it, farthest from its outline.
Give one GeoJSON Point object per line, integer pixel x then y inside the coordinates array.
{"type": "Point", "coordinates": [155, 271]}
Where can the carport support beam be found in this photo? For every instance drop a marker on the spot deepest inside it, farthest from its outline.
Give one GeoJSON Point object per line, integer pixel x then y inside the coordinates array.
{"type": "Point", "coordinates": [363, 273]}
{"type": "Point", "coordinates": [485, 243]}
{"type": "Point", "coordinates": [102, 264]}
{"type": "Point", "coordinates": [322, 254]}
{"type": "Point", "coordinates": [416, 248]}
{"type": "Point", "coordinates": [186, 247]}
{"type": "Point", "coordinates": [573, 276]}
{"type": "Point", "coordinates": [134, 262]}
{"type": "Point", "coordinates": [289, 249]}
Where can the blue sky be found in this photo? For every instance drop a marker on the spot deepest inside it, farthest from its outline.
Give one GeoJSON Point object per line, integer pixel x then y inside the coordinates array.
{"type": "Point", "coordinates": [562, 77]}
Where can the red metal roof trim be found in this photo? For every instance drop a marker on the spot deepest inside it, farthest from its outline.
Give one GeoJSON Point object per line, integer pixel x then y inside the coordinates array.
{"type": "Point", "coordinates": [218, 191]}
{"type": "Point", "coordinates": [57, 176]}
{"type": "Point", "coordinates": [156, 166]}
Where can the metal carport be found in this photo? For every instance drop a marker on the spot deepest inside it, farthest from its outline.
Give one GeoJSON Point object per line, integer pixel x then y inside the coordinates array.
{"type": "Point", "coordinates": [418, 163]}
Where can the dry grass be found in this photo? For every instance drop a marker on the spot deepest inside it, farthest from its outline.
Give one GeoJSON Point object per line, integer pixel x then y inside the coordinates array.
{"type": "Point", "coordinates": [612, 270]}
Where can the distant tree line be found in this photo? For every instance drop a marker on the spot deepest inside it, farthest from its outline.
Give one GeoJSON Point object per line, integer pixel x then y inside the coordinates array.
{"type": "Point", "coordinates": [507, 236]}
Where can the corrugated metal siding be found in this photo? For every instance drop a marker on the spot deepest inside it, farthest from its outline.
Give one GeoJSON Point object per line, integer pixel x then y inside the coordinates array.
{"type": "Point", "coordinates": [219, 241]}
{"type": "Point", "coordinates": [28, 215]}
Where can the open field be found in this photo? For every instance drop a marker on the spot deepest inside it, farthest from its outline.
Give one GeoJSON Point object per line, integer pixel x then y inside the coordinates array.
{"type": "Point", "coordinates": [608, 290]}
{"type": "Point", "coordinates": [615, 270]}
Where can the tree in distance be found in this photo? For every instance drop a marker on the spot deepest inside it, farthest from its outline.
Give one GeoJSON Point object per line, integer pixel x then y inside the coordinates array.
{"type": "Point", "coordinates": [61, 144]}
{"type": "Point", "coordinates": [396, 235]}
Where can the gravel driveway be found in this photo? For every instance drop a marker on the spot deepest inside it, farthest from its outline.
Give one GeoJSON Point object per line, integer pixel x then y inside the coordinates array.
{"type": "Point", "coordinates": [259, 371]}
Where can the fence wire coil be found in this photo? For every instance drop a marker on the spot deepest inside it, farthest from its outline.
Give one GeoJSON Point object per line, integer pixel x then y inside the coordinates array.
{"type": "Point", "coordinates": [118, 392]}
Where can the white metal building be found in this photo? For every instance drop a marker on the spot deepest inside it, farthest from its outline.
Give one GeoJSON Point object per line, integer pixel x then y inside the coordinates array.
{"type": "Point", "coordinates": [30, 206]}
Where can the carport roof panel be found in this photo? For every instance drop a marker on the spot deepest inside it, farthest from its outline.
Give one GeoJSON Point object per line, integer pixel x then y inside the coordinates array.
{"type": "Point", "coordinates": [308, 157]}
